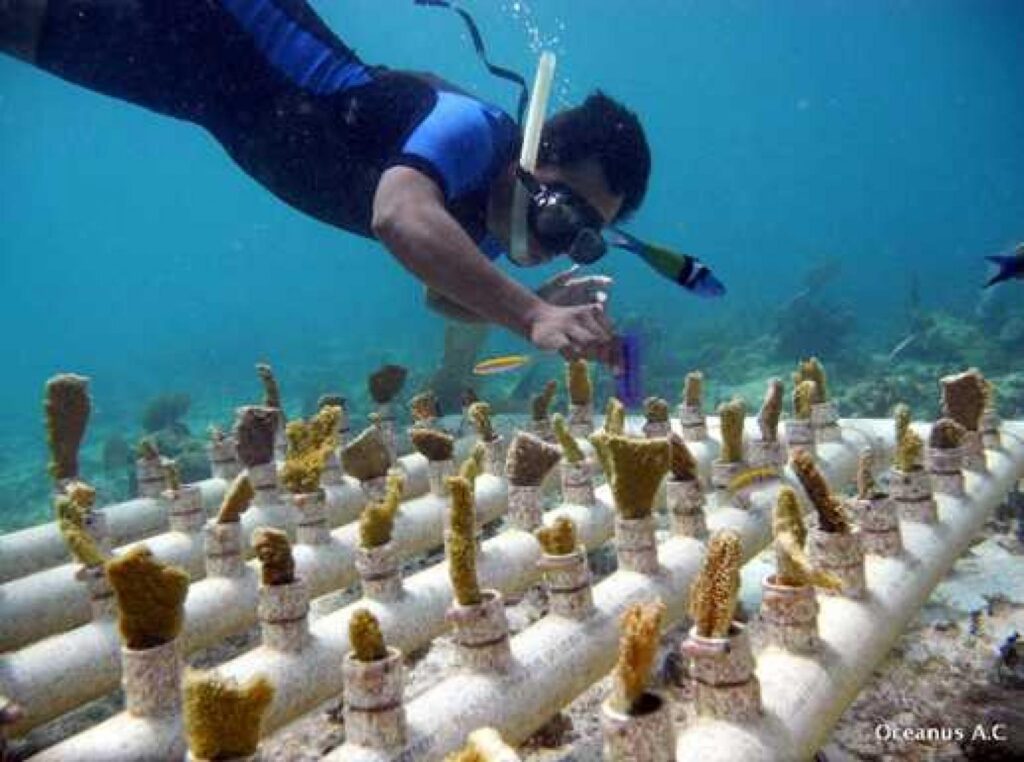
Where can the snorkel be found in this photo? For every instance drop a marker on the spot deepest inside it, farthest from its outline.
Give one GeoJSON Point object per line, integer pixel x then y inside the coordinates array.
{"type": "Point", "coordinates": [519, 236]}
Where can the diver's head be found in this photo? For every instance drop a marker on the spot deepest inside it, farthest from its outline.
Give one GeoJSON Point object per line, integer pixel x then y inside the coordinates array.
{"type": "Point", "coordinates": [593, 168]}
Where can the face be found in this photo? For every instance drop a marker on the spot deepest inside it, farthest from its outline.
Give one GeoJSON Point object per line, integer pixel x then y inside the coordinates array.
{"type": "Point", "coordinates": [586, 179]}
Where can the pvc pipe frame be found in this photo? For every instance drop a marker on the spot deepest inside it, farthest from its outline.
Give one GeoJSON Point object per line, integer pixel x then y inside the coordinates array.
{"type": "Point", "coordinates": [59, 673]}
{"type": "Point", "coordinates": [804, 696]}
{"type": "Point", "coordinates": [508, 563]}
{"type": "Point", "coordinates": [53, 600]}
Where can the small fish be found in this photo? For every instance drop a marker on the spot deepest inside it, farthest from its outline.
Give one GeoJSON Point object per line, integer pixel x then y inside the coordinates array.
{"type": "Point", "coordinates": [901, 346]}
{"type": "Point", "coordinates": [500, 364]}
{"type": "Point", "coordinates": [683, 269]}
{"type": "Point", "coordinates": [1010, 266]}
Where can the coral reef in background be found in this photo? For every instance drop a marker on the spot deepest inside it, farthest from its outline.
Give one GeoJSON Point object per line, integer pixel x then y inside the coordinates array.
{"type": "Point", "coordinates": [386, 382]}
{"type": "Point", "coordinates": [165, 411]}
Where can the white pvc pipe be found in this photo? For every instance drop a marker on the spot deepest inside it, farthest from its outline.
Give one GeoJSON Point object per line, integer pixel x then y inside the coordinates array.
{"type": "Point", "coordinates": [804, 696]}
{"type": "Point", "coordinates": [40, 547]}
{"type": "Point", "coordinates": [59, 673]}
{"type": "Point", "coordinates": [51, 601]}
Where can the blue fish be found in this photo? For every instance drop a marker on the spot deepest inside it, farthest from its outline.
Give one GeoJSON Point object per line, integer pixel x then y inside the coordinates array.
{"type": "Point", "coordinates": [1010, 266]}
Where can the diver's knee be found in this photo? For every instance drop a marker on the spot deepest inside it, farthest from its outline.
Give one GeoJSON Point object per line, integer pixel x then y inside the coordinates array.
{"type": "Point", "coordinates": [21, 22]}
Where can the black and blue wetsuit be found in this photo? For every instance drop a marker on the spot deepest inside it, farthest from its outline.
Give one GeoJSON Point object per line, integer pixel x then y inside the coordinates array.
{"type": "Point", "coordinates": [288, 100]}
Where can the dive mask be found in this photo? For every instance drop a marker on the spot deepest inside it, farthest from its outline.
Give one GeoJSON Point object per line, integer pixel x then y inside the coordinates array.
{"type": "Point", "coordinates": [562, 221]}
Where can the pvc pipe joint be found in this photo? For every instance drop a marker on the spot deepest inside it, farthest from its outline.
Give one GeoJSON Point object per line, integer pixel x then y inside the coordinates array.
{"type": "Point", "coordinates": [581, 420]}
{"type": "Point", "coordinates": [481, 633]}
{"type": "Point", "coordinates": [685, 503]}
{"type": "Point", "coordinates": [524, 507]}
{"type": "Point", "coordinates": [374, 714]}
{"type": "Point", "coordinates": [726, 687]}
{"type": "Point", "coordinates": [692, 423]}
{"type": "Point", "coordinates": [912, 493]}
{"type": "Point", "coordinates": [577, 483]}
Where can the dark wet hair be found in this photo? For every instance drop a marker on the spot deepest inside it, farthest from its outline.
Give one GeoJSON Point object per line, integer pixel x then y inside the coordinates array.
{"type": "Point", "coordinates": [605, 130]}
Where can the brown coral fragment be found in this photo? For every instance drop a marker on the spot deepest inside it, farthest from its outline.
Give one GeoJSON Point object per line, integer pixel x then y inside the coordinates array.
{"type": "Point", "coordinates": [831, 516]}
{"type": "Point", "coordinates": [473, 466]}
{"type": "Point", "coordinates": [271, 391]}
{"type": "Point", "coordinates": [150, 598]}
{"type": "Point", "coordinates": [793, 568]}
{"type": "Point", "coordinates": [946, 434]}
{"type": "Point", "coordinates": [66, 407]}
{"type": "Point", "coordinates": [908, 452]}
{"type": "Point", "coordinates": [570, 448]}
{"type": "Point", "coordinates": [236, 500]}
{"type": "Point", "coordinates": [386, 382]}
{"type": "Point", "coordinates": [530, 459]}
{"type": "Point", "coordinates": [714, 592]}
{"type": "Point", "coordinates": [804, 393]}
{"type": "Point", "coordinates": [656, 410]}
{"type": "Point", "coordinates": [172, 476]}
{"type": "Point", "coordinates": [638, 645]}
{"type": "Point", "coordinates": [223, 719]}
{"type": "Point", "coordinates": [559, 539]}
{"type": "Point", "coordinates": [424, 407]}
{"type": "Point", "coordinates": [365, 636]}
{"type": "Point", "coordinates": [771, 411]}
{"type": "Point", "coordinates": [963, 398]}
{"type": "Point", "coordinates": [682, 464]}
{"type": "Point", "coordinates": [637, 468]}
{"type": "Point", "coordinates": [866, 486]}
{"type": "Point", "coordinates": [614, 416]}
{"type": "Point", "coordinates": [275, 554]}
{"type": "Point", "coordinates": [812, 370]}
{"type": "Point", "coordinates": [540, 404]}
{"type": "Point", "coordinates": [462, 543]}
{"type": "Point", "coordinates": [479, 415]}
{"type": "Point", "coordinates": [254, 434]}
{"type": "Point", "coordinates": [577, 381]}
{"type": "Point", "coordinates": [366, 457]}
{"type": "Point", "coordinates": [71, 520]}
{"type": "Point", "coordinates": [432, 444]}
{"type": "Point", "coordinates": [901, 419]}
{"type": "Point", "coordinates": [693, 389]}
{"type": "Point", "coordinates": [309, 445]}
{"type": "Point", "coordinates": [731, 416]}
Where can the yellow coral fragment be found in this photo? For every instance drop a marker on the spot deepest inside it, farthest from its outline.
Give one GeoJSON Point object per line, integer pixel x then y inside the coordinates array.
{"type": "Point", "coordinates": [638, 645]}
{"type": "Point", "coordinates": [581, 392]}
{"type": "Point", "coordinates": [222, 718]}
{"type": "Point", "coordinates": [570, 448]}
{"type": "Point", "coordinates": [150, 597]}
{"type": "Point", "coordinates": [559, 539]}
{"type": "Point", "coordinates": [365, 636]}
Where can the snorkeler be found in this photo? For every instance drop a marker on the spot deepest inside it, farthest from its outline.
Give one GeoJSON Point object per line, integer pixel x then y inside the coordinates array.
{"type": "Point", "coordinates": [1010, 266]}
{"type": "Point", "coordinates": [402, 157]}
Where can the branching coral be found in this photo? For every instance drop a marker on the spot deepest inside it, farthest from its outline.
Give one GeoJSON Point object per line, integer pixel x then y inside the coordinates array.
{"type": "Point", "coordinates": [577, 381]}
{"type": "Point", "coordinates": [479, 415]}
{"type": "Point", "coordinates": [656, 410]}
{"type": "Point", "coordinates": [366, 457]}
{"type": "Point", "coordinates": [530, 459]}
{"type": "Point", "coordinates": [614, 416]}
{"type": "Point", "coordinates": [275, 554]}
{"type": "Point", "coordinates": [462, 543]}
{"type": "Point", "coordinates": [271, 391]}
{"type": "Point", "coordinates": [432, 444]}
{"type": "Point", "coordinates": [540, 404]}
{"type": "Point", "coordinates": [946, 434]}
{"type": "Point", "coordinates": [812, 370]}
{"type": "Point", "coordinates": [424, 407]}
{"type": "Point", "coordinates": [731, 416]}
{"type": "Point", "coordinates": [570, 449]}
{"type": "Point", "coordinates": [378, 520]}
{"type": "Point", "coordinates": [254, 434]}
{"type": "Point", "coordinates": [386, 382]}
{"type": "Point", "coordinates": [150, 596]}
{"type": "Point", "coordinates": [901, 419]}
{"type": "Point", "coordinates": [66, 407]}
{"type": "Point", "coordinates": [693, 389]}
{"type": "Point", "coordinates": [804, 393]}
{"type": "Point", "coordinates": [682, 464]}
{"type": "Point", "coordinates": [309, 444]}
{"type": "Point", "coordinates": [866, 487]}
{"type": "Point", "coordinates": [713, 594]}
{"type": "Point", "coordinates": [771, 411]}
{"type": "Point", "coordinates": [365, 636]}
{"type": "Point", "coordinates": [473, 466]}
{"type": "Point", "coordinates": [72, 509]}
{"type": "Point", "coordinates": [793, 568]}
{"type": "Point", "coordinates": [223, 719]}
{"type": "Point", "coordinates": [637, 468]}
{"type": "Point", "coordinates": [236, 500]}
{"type": "Point", "coordinates": [908, 452]}
{"type": "Point", "coordinates": [638, 645]}
{"type": "Point", "coordinates": [831, 516]}
{"type": "Point", "coordinates": [560, 538]}
{"type": "Point", "coordinates": [963, 398]}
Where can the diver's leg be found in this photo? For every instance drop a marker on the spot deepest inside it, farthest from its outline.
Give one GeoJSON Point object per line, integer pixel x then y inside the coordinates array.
{"type": "Point", "coordinates": [21, 22]}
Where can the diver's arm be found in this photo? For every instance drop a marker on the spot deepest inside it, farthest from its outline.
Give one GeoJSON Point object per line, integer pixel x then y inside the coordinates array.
{"type": "Point", "coordinates": [409, 217]}
{"type": "Point", "coordinates": [447, 308]}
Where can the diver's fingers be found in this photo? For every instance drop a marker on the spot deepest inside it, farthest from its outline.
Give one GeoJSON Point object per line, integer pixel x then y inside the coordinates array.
{"type": "Point", "coordinates": [597, 311]}
{"type": "Point", "coordinates": [562, 278]}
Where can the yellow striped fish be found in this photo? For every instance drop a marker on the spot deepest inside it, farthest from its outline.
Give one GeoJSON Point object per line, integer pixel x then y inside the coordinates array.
{"type": "Point", "coordinates": [500, 364]}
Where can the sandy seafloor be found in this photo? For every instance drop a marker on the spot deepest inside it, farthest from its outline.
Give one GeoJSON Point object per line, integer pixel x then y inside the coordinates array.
{"type": "Point", "coordinates": [936, 676]}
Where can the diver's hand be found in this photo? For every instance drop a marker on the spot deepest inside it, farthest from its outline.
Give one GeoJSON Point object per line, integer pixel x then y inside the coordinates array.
{"type": "Point", "coordinates": [574, 332]}
{"type": "Point", "coordinates": [565, 290]}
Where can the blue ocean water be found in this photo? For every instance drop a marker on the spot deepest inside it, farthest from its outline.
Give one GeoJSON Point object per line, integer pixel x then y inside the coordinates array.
{"type": "Point", "coordinates": [884, 136]}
